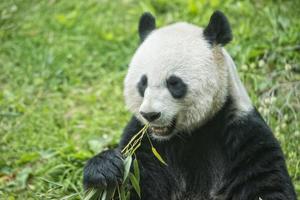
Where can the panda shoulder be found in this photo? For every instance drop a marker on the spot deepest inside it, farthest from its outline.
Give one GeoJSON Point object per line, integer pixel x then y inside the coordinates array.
{"type": "Point", "coordinates": [249, 125]}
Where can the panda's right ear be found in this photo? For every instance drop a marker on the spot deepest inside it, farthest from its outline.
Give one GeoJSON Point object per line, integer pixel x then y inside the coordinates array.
{"type": "Point", "coordinates": [146, 25]}
{"type": "Point", "coordinates": [218, 30]}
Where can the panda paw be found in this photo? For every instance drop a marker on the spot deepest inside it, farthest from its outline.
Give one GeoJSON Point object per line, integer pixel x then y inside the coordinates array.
{"type": "Point", "coordinates": [104, 170]}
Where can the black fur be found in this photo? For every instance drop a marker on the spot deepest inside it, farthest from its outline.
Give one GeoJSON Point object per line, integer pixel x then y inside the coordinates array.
{"type": "Point", "coordinates": [228, 158]}
{"type": "Point", "coordinates": [142, 85]}
{"type": "Point", "coordinates": [176, 87]}
{"type": "Point", "coordinates": [146, 25]}
{"type": "Point", "coordinates": [104, 170]}
{"type": "Point", "coordinates": [218, 30]}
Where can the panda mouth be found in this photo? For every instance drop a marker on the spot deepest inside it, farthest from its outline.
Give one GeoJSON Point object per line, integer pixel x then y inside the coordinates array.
{"type": "Point", "coordinates": [160, 130]}
{"type": "Point", "coordinates": [163, 130]}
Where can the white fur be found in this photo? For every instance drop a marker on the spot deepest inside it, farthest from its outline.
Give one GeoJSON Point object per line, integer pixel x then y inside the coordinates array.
{"type": "Point", "coordinates": [237, 90]}
{"type": "Point", "coordinates": [180, 49]}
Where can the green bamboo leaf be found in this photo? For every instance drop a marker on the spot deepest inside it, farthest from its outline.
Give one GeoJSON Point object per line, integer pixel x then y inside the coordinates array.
{"type": "Point", "coordinates": [135, 184]}
{"type": "Point", "coordinates": [128, 196]}
{"type": "Point", "coordinates": [122, 193]}
{"type": "Point", "coordinates": [136, 169]}
{"type": "Point", "coordinates": [127, 165]}
{"type": "Point", "coordinates": [156, 154]}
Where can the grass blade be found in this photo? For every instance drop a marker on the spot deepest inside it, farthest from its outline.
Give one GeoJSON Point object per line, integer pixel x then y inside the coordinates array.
{"type": "Point", "coordinates": [91, 194]}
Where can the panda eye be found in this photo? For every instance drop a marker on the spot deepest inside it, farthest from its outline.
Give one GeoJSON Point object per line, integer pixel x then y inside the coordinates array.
{"type": "Point", "coordinates": [142, 85]}
{"type": "Point", "coordinates": [173, 82]}
{"type": "Point", "coordinates": [176, 87]}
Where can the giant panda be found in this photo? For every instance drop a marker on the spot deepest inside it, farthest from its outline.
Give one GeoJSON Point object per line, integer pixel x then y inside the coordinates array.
{"type": "Point", "coordinates": [202, 122]}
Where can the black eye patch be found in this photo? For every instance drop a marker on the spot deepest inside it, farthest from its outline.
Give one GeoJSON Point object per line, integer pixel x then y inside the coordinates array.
{"type": "Point", "coordinates": [176, 87]}
{"type": "Point", "coordinates": [142, 85]}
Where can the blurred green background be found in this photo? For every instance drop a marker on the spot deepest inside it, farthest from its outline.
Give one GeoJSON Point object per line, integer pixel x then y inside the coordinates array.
{"type": "Point", "coordinates": [62, 65]}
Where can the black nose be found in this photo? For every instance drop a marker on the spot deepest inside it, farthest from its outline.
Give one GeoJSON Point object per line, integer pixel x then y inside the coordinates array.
{"type": "Point", "coordinates": [150, 116]}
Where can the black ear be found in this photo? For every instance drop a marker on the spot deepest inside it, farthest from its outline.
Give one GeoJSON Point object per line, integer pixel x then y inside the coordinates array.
{"type": "Point", "coordinates": [146, 25]}
{"type": "Point", "coordinates": [218, 30]}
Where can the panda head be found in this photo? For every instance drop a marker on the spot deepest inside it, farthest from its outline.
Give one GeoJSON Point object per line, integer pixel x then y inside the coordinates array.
{"type": "Point", "coordinates": [178, 77]}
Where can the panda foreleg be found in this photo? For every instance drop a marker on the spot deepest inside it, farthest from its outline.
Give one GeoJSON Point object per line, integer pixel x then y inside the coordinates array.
{"type": "Point", "coordinates": [106, 168]}
{"type": "Point", "coordinates": [103, 170]}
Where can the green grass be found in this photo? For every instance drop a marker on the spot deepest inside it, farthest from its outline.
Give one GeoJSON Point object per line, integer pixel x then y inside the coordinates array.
{"type": "Point", "coordinates": [62, 65]}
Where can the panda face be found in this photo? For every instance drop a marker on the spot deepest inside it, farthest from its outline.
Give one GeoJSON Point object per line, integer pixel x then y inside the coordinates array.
{"type": "Point", "coordinates": [175, 81]}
